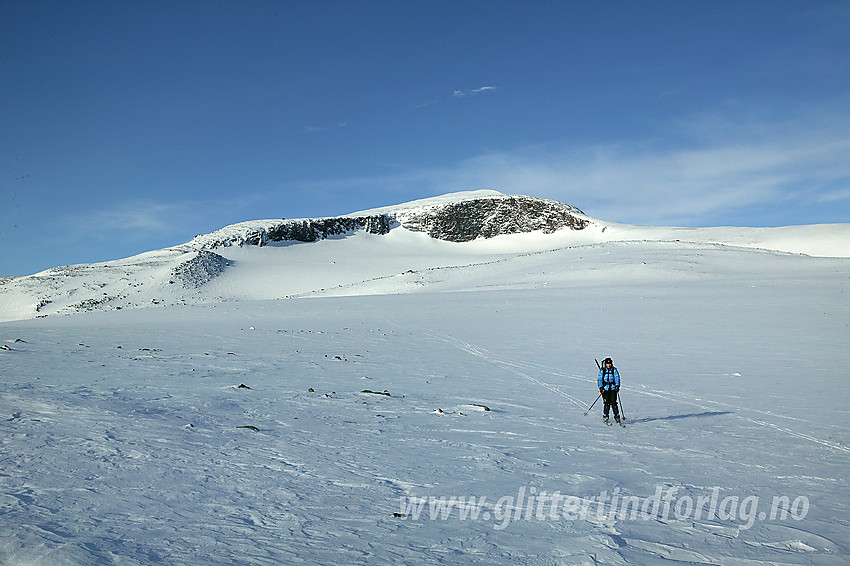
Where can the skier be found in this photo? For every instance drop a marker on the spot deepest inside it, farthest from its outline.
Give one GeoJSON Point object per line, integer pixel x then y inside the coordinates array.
{"type": "Point", "coordinates": [609, 385]}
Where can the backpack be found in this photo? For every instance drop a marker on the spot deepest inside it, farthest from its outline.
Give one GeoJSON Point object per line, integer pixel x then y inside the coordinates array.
{"type": "Point", "coordinates": [608, 376]}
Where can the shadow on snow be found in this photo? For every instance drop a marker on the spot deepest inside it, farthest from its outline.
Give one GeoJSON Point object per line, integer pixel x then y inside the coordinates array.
{"type": "Point", "coordinates": [676, 417]}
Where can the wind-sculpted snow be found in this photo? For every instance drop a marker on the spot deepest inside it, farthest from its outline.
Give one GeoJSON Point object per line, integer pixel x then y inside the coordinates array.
{"type": "Point", "coordinates": [354, 430]}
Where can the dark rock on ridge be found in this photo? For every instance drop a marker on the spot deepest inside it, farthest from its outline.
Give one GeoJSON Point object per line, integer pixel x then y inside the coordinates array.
{"type": "Point", "coordinates": [488, 217]}
{"type": "Point", "coordinates": [199, 270]}
{"type": "Point", "coordinates": [304, 230]}
{"type": "Point", "coordinates": [313, 230]}
{"type": "Point", "coordinates": [460, 221]}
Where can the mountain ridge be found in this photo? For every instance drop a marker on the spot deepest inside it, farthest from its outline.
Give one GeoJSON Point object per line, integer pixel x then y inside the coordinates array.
{"type": "Point", "coordinates": [411, 247]}
{"type": "Point", "coordinates": [456, 217]}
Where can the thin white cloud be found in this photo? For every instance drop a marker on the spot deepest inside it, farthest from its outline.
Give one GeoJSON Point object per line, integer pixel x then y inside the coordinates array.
{"type": "Point", "coordinates": [718, 168]}
{"type": "Point", "coordinates": [143, 219]}
{"type": "Point", "coordinates": [663, 186]}
{"type": "Point", "coordinates": [315, 129]}
{"type": "Point", "coordinates": [463, 93]}
{"type": "Point", "coordinates": [835, 196]}
{"type": "Point", "coordinates": [710, 173]}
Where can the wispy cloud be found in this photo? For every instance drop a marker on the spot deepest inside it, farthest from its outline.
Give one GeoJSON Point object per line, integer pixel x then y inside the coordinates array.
{"type": "Point", "coordinates": [700, 171]}
{"type": "Point", "coordinates": [715, 168]}
{"type": "Point", "coordinates": [459, 93]}
{"type": "Point", "coordinates": [315, 129]}
{"type": "Point", "coordinates": [462, 93]}
{"type": "Point", "coordinates": [139, 220]}
{"type": "Point", "coordinates": [836, 195]}
{"type": "Point", "coordinates": [667, 185]}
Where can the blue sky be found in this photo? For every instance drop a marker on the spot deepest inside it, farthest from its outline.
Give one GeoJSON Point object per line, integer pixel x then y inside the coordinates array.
{"type": "Point", "coordinates": [131, 126]}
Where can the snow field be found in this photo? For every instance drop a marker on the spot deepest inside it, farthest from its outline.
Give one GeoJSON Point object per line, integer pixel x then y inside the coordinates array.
{"type": "Point", "coordinates": [121, 438]}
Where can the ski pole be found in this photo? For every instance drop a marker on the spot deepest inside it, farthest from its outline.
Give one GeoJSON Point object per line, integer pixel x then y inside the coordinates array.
{"type": "Point", "coordinates": [620, 401]}
{"type": "Point", "coordinates": [589, 408]}
{"type": "Point", "coordinates": [600, 394]}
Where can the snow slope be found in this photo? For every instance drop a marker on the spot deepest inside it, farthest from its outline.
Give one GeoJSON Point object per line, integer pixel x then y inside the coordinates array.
{"type": "Point", "coordinates": [124, 434]}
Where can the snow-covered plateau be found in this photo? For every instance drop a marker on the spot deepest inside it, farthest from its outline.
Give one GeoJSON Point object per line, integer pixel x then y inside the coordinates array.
{"type": "Point", "coordinates": [410, 385]}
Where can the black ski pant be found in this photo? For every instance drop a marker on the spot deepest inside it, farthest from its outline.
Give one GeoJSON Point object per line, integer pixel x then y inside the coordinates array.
{"type": "Point", "coordinates": [610, 400]}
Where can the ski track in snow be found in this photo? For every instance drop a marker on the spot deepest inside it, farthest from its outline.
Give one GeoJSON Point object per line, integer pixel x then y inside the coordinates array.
{"type": "Point", "coordinates": [511, 365]}
{"type": "Point", "coordinates": [708, 407]}
{"type": "Point", "coordinates": [514, 366]}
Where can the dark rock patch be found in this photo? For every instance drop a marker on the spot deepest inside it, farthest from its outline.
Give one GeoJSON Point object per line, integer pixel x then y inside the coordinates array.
{"type": "Point", "coordinates": [489, 217]}
{"type": "Point", "coordinates": [199, 270]}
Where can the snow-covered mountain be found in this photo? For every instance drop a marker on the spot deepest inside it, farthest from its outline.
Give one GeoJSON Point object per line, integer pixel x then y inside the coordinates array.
{"type": "Point", "coordinates": [432, 402]}
{"type": "Point", "coordinates": [402, 248]}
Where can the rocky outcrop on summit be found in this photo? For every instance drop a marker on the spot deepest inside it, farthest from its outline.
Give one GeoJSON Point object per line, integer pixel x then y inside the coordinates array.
{"type": "Point", "coordinates": [488, 217]}
{"type": "Point", "coordinates": [260, 233]}
{"type": "Point", "coordinates": [314, 230]}
{"type": "Point", "coordinates": [456, 221]}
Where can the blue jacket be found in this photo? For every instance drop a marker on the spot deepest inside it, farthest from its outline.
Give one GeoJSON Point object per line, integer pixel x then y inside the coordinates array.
{"type": "Point", "coordinates": [610, 381]}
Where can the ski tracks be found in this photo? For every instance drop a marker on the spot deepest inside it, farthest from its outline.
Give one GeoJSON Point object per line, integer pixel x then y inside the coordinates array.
{"type": "Point", "coordinates": [507, 364]}
{"type": "Point", "coordinates": [518, 367]}
{"type": "Point", "coordinates": [713, 405]}
{"type": "Point", "coordinates": [833, 445]}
